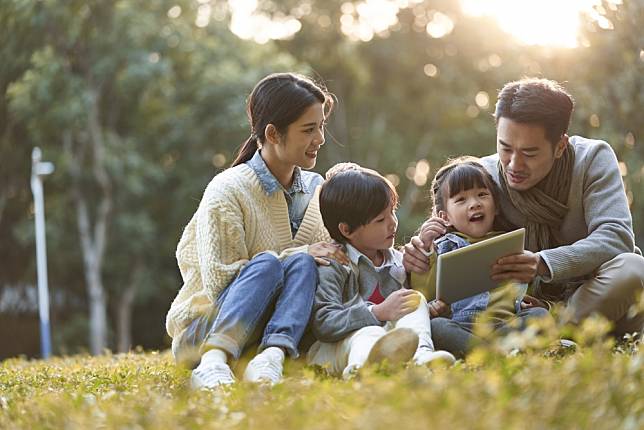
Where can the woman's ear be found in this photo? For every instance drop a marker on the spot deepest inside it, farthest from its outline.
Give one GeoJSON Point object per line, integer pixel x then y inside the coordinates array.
{"type": "Point", "coordinates": [344, 229]}
{"type": "Point", "coordinates": [272, 135]}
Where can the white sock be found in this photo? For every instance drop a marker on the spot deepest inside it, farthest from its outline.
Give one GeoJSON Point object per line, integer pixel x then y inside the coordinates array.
{"type": "Point", "coordinates": [274, 351]}
{"type": "Point", "coordinates": [213, 356]}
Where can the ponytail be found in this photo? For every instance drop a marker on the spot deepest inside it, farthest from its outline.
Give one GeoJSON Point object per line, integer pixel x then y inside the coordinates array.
{"type": "Point", "coordinates": [246, 150]}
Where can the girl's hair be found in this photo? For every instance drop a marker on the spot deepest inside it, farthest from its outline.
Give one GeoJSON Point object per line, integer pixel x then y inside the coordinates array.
{"type": "Point", "coordinates": [279, 99]}
{"type": "Point", "coordinates": [354, 195]}
{"type": "Point", "coordinates": [460, 174]}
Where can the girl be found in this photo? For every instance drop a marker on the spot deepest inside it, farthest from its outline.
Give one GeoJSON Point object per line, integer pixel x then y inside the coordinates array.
{"type": "Point", "coordinates": [248, 255]}
{"type": "Point", "coordinates": [464, 197]}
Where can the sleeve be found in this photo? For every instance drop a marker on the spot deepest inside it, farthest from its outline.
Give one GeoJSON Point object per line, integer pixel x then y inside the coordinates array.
{"type": "Point", "coordinates": [333, 320]}
{"type": "Point", "coordinates": [220, 243]}
{"type": "Point", "coordinates": [607, 216]}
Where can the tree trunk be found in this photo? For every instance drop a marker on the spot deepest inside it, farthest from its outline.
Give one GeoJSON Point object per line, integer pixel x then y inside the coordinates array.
{"type": "Point", "coordinates": [124, 311]}
{"type": "Point", "coordinates": [92, 235]}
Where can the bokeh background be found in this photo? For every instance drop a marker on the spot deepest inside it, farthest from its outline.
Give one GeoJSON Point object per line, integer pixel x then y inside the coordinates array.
{"type": "Point", "coordinates": [139, 104]}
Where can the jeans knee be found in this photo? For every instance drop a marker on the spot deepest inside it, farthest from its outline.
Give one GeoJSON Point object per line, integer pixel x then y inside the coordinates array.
{"type": "Point", "coordinates": [269, 268]}
{"type": "Point", "coordinates": [301, 260]}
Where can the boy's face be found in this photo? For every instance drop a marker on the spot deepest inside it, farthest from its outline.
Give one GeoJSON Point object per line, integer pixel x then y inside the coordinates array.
{"type": "Point", "coordinates": [377, 234]}
{"type": "Point", "coordinates": [471, 211]}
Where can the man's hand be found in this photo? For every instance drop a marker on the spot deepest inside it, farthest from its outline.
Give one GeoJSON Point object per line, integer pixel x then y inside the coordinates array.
{"type": "Point", "coordinates": [414, 259]}
{"type": "Point", "coordinates": [523, 267]}
{"type": "Point", "coordinates": [397, 305]}
{"type": "Point", "coordinates": [438, 308]}
{"type": "Point", "coordinates": [328, 250]}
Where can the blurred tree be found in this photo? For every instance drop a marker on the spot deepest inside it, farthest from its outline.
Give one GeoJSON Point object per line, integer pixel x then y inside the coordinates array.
{"type": "Point", "coordinates": [137, 102]}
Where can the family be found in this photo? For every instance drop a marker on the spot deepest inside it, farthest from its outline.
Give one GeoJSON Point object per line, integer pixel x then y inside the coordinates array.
{"type": "Point", "coordinates": [275, 250]}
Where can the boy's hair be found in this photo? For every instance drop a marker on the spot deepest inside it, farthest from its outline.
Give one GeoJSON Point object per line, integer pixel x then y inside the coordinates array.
{"type": "Point", "coordinates": [460, 174]}
{"type": "Point", "coordinates": [536, 101]}
{"type": "Point", "coordinates": [354, 196]}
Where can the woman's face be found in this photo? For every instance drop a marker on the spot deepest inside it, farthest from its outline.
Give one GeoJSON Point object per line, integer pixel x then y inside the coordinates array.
{"type": "Point", "coordinates": [303, 139]}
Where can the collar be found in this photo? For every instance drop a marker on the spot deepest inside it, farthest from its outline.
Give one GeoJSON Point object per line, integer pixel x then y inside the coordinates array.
{"type": "Point", "coordinates": [391, 258]}
{"type": "Point", "coordinates": [269, 183]}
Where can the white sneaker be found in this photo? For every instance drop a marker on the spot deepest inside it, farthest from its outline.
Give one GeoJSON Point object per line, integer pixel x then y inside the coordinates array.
{"type": "Point", "coordinates": [267, 366]}
{"type": "Point", "coordinates": [425, 356]}
{"type": "Point", "coordinates": [211, 375]}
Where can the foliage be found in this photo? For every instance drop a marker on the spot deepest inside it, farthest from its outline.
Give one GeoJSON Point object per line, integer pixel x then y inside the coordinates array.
{"type": "Point", "coordinates": [599, 386]}
{"type": "Point", "coordinates": [172, 112]}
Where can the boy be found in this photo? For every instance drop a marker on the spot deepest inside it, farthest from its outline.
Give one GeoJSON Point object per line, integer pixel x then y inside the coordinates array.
{"type": "Point", "coordinates": [363, 312]}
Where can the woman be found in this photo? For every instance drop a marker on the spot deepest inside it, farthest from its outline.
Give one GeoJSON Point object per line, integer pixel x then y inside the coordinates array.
{"type": "Point", "coordinates": [248, 256]}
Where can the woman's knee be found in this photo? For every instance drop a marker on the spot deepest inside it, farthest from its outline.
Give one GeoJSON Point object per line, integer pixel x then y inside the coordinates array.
{"type": "Point", "coordinates": [301, 260]}
{"type": "Point", "coordinates": [268, 267]}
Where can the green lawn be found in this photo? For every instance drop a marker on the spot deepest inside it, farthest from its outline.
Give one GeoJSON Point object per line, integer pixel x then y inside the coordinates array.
{"type": "Point", "coordinates": [599, 387]}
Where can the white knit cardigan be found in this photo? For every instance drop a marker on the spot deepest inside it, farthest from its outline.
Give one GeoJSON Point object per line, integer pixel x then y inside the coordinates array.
{"type": "Point", "coordinates": [235, 221]}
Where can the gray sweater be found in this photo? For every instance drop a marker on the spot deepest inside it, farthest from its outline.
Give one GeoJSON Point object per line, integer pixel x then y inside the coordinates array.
{"type": "Point", "coordinates": [598, 226]}
{"type": "Point", "coordinates": [341, 303]}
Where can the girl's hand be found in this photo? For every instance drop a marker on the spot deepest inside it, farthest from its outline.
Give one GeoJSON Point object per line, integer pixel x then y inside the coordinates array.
{"type": "Point", "coordinates": [397, 305]}
{"type": "Point", "coordinates": [432, 229]}
{"type": "Point", "coordinates": [532, 302]}
{"type": "Point", "coordinates": [438, 308]}
{"type": "Point", "coordinates": [328, 250]}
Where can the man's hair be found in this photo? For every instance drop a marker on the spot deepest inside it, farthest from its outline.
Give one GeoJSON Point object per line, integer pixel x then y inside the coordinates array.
{"type": "Point", "coordinates": [536, 101]}
{"type": "Point", "coordinates": [354, 196]}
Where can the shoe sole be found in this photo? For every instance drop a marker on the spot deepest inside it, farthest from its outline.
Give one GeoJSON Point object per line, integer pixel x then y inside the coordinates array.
{"type": "Point", "coordinates": [396, 347]}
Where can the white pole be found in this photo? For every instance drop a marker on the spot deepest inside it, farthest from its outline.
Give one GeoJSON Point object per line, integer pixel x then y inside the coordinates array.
{"type": "Point", "coordinates": [38, 170]}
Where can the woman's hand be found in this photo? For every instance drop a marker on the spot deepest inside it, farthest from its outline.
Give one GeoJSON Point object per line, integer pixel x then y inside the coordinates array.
{"type": "Point", "coordinates": [321, 250]}
{"type": "Point", "coordinates": [438, 308]}
{"type": "Point", "coordinates": [396, 305]}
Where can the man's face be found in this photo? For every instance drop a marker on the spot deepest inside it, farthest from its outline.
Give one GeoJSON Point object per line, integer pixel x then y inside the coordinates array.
{"type": "Point", "coordinates": [526, 155]}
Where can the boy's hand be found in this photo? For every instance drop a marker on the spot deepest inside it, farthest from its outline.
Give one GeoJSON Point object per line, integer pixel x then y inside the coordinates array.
{"type": "Point", "coordinates": [438, 308]}
{"type": "Point", "coordinates": [328, 250]}
{"type": "Point", "coordinates": [432, 229]}
{"type": "Point", "coordinates": [397, 305]}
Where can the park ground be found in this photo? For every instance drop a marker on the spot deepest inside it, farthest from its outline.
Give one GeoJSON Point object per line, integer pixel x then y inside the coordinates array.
{"type": "Point", "coordinates": [597, 385]}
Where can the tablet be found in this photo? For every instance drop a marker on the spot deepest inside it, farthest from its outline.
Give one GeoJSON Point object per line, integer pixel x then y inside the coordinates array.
{"type": "Point", "coordinates": [465, 272]}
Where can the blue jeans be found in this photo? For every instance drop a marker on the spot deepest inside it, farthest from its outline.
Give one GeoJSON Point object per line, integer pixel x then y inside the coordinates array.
{"type": "Point", "coordinates": [458, 337]}
{"type": "Point", "coordinates": [268, 295]}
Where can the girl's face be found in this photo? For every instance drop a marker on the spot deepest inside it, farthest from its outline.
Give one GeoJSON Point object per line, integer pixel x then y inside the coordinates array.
{"type": "Point", "coordinates": [470, 211]}
{"type": "Point", "coordinates": [303, 139]}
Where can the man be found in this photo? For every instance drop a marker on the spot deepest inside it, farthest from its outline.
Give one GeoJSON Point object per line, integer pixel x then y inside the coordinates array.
{"type": "Point", "coordinates": [568, 194]}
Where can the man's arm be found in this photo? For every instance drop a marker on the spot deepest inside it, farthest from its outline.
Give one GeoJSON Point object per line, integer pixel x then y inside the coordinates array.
{"type": "Point", "coordinates": [606, 212]}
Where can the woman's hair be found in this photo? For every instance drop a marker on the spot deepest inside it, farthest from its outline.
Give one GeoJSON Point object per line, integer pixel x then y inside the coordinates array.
{"type": "Point", "coordinates": [460, 174]}
{"type": "Point", "coordinates": [279, 99]}
{"type": "Point", "coordinates": [354, 195]}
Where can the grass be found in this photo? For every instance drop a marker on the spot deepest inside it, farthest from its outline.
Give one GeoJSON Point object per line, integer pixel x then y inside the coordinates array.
{"type": "Point", "coordinates": [599, 386]}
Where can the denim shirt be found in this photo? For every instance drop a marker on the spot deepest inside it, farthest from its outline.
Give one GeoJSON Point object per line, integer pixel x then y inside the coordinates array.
{"type": "Point", "coordinates": [297, 196]}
